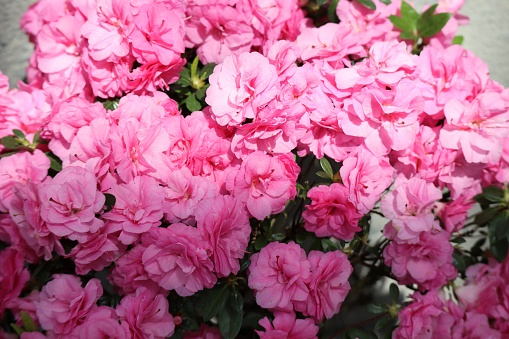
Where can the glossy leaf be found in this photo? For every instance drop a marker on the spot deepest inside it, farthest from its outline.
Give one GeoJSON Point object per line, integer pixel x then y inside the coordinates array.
{"type": "Point", "coordinates": [368, 4]}
{"type": "Point", "coordinates": [394, 292]}
{"type": "Point", "coordinates": [230, 316]}
{"type": "Point", "coordinates": [434, 25]}
{"type": "Point", "coordinates": [214, 301]}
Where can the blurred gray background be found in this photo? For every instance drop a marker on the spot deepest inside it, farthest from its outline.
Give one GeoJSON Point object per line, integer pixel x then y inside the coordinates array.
{"type": "Point", "coordinates": [487, 36]}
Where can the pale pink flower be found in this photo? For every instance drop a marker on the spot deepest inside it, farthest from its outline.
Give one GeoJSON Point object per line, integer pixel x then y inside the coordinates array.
{"type": "Point", "coordinates": [177, 259]}
{"type": "Point", "coordinates": [278, 275]}
{"type": "Point", "coordinates": [217, 31]}
{"type": "Point", "coordinates": [183, 193]}
{"type": "Point", "coordinates": [409, 207]}
{"type": "Point", "coordinates": [12, 277]}
{"type": "Point", "coordinates": [331, 213]}
{"type": "Point", "coordinates": [264, 183]}
{"type": "Point", "coordinates": [224, 224]}
{"type": "Point", "coordinates": [21, 168]}
{"type": "Point", "coordinates": [239, 86]}
{"type": "Point", "coordinates": [137, 208]}
{"type": "Point", "coordinates": [328, 285]}
{"type": "Point", "coordinates": [101, 323]}
{"type": "Point", "coordinates": [64, 304]}
{"type": "Point", "coordinates": [366, 177]}
{"type": "Point", "coordinates": [286, 325]}
{"type": "Point", "coordinates": [70, 202]}
{"type": "Point", "coordinates": [427, 262]}
{"type": "Point", "coordinates": [147, 314]}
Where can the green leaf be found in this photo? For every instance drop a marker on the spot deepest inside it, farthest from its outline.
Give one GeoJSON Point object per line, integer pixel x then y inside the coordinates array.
{"type": "Point", "coordinates": [499, 249]}
{"type": "Point", "coordinates": [492, 194]}
{"type": "Point", "coordinates": [278, 237]}
{"type": "Point", "coordinates": [368, 4]}
{"type": "Point", "coordinates": [28, 323]}
{"type": "Point", "coordinates": [408, 12]}
{"type": "Point", "coordinates": [17, 329]}
{"type": "Point", "coordinates": [408, 36]}
{"type": "Point", "coordinates": [185, 78]}
{"type": "Point", "coordinates": [498, 228]}
{"type": "Point", "coordinates": [376, 309]}
{"type": "Point", "coordinates": [322, 174]}
{"type": "Point", "coordinates": [110, 105]}
{"type": "Point", "coordinates": [55, 163]}
{"type": "Point", "coordinates": [428, 13]}
{"type": "Point", "coordinates": [194, 67]}
{"type": "Point", "coordinates": [321, 2]}
{"type": "Point", "coordinates": [383, 323]}
{"type": "Point", "coordinates": [207, 70]}
{"type": "Point", "coordinates": [244, 265]}
{"type": "Point", "coordinates": [18, 133]}
{"type": "Point", "coordinates": [229, 318]}
{"type": "Point", "coordinates": [405, 25]}
{"type": "Point", "coordinates": [458, 240]}
{"type": "Point", "coordinates": [458, 261]}
{"type": "Point", "coordinates": [331, 11]}
{"type": "Point", "coordinates": [487, 215]}
{"type": "Point", "coordinates": [10, 142]}
{"type": "Point", "coordinates": [251, 320]}
{"type": "Point", "coordinates": [214, 301]}
{"type": "Point", "coordinates": [37, 137]}
{"type": "Point", "coordinates": [326, 166]}
{"type": "Point", "coordinates": [458, 40]}
{"type": "Point", "coordinates": [394, 292]}
{"type": "Point", "coordinates": [260, 243]}
{"type": "Point", "coordinates": [386, 2]}
{"type": "Point", "coordinates": [200, 93]}
{"type": "Point", "coordinates": [328, 245]}
{"type": "Point", "coordinates": [192, 104]}
{"type": "Point", "coordinates": [434, 25]}
{"type": "Point", "coordinates": [109, 202]}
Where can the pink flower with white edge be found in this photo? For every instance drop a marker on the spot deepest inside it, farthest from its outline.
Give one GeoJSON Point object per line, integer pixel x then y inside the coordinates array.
{"type": "Point", "coordinates": [177, 258]}
{"type": "Point", "coordinates": [426, 262]}
{"type": "Point", "coordinates": [224, 224]}
{"type": "Point", "coordinates": [239, 86]}
{"type": "Point", "coordinates": [331, 213]}
{"type": "Point", "coordinates": [278, 276]}
{"type": "Point", "coordinates": [137, 208]}
{"type": "Point", "coordinates": [22, 168]}
{"type": "Point", "coordinates": [328, 285]}
{"type": "Point", "coordinates": [64, 304]}
{"type": "Point", "coordinates": [147, 314]}
{"type": "Point", "coordinates": [366, 177]}
{"type": "Point", "coordinates": [70, 202]}
{"type": "Point", "coordinates": [264, 183]}
{"type": "Point", "coordinates": [409, 207]}
{"type": "Point", "coordinates": [286, 325]}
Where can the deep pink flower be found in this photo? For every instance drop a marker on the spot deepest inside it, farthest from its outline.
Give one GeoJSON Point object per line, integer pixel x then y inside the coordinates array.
{"type": "Point", "coordinates": [277, 275]}
{"type": "Point", "coordinates": [205, 332]}
{"type": "Point", "coordinates": [366, 177]}
{"type": "Point", "coordinates": [328, 284]}
{"type": "Point", "coordinates": [177, 259]}
{"type": "Point", "coordinates": [147, 314]}
{"type": "Point", "coordinates": [331, 213]}
{"type": "Point", "coordinates": [70, 202]}
{"type": "Point", "coordinates": [137, 208]}
{"type": "Point", "coordinates": [101, 323]}
{"type": "Point", "coordinates": [285, 325]}
{"type": "Point", "coordinates": [264, 183]}
{"type": "Point", "coordinates": [239, 86]}
{"type": "Point", "coordinates": [427, 262]}
{"type": "Point", "coordinates": [224, 224]}
{"type": "Point", "coordinates": [64, 304]}
{"type": "Point", "coordinates": [12, 277]}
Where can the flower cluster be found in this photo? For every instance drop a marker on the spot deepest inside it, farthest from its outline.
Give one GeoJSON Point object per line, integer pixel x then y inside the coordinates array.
{"type": "Point", "coordinates": [125, 213]}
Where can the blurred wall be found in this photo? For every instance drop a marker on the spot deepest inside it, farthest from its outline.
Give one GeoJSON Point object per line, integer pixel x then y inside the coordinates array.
{"type": "Point", "coordinates": [487, 36]}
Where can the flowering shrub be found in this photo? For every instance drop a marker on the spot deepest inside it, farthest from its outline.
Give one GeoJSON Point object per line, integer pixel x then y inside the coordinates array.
{"type": "Point", "coordinates": [220, 168]}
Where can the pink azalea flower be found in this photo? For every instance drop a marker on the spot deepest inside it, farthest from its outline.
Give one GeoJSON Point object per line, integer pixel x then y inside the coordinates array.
{"type": "Point", "coordinates": [285, 325]}
{"type": "Point", "coordinates": [224, 224]}
{"type": "Point", "coordinates": [264, 183]}
{"type": "Point", "coordinates": [101, 322]}
{"type": "Point", "coordinates": [239, 86]}
{"type": "Point", "coordinates": [12, 277]}
{"type": "Point", "coordinates": [64, 304]}
{"type": "Point", "coordinates": [277, 275]}
{"type": "Point", "coordinates": [366, 177]}
{"type": "Point", "coordinates": [328, 284]}
{"type": "Point", "coordinates": [177, 259]}
{"type": "Point", "coordinates": [408, 207]}
{"type": "Point", "coordinates": [427, 262]}
{"type": "Point", "coordinates": [331, 213]}
{"type": "Point", "coordinates": [205, 332]}
{"type": "Point", "coordinates": [70, 202]}
{"type": "Point", "coordinates": [137, 208]}
{"type": "Point", "coordinates": [147, 314]}
{"type": "Point", "coordinates": [21, 168]}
